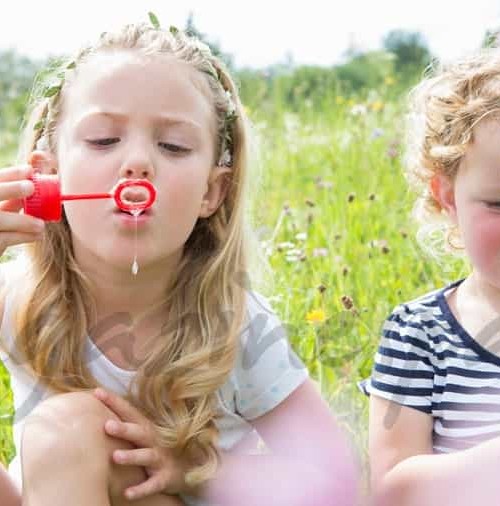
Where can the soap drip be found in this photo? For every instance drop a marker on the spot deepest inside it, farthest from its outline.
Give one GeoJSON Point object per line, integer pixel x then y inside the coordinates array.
{"type": "Point", "coordinates": [135, 265]}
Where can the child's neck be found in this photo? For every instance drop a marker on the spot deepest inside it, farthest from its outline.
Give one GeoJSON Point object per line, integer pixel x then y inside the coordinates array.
{"type": "Point", "coordinates": [128, 321]}
{"type": "Point", "coordinates": [476, 305]}
{"type": "Point", "coordinates": [481, 291]}
{"type": "Point", "coordinates": [134, 298]}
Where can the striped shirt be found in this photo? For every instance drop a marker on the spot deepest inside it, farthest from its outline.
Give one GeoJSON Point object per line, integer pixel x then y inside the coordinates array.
{"type": "Point", "coordinates": [427, 361]}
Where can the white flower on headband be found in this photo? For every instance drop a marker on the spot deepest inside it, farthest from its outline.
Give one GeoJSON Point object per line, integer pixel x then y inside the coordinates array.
{"type": "Point", "coordinates": [42, 143]}
{"type": "Point", "coordinates": [225, 159]}
{"type": "Point", "coordinates": [231, 107]}
{"type": "Point", "coordinates": [202, 47]}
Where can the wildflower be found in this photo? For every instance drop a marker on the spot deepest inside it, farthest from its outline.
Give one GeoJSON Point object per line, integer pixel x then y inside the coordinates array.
{"type": "Point", "coordinates": [392, 152]}
{"type": "Point", "coordinates": [389, 80]}
{"type": "Point", "coordinates": [316, 316]}
{"type": "Point", "coordinates": [285, 245]}
{"type": "Point", "coordinates": [358, 110]}
{"type": "Point", "coordinates": [325, 184]}
{"type": "Point", "coordinates": [319, 252]}
{"type": "Point", "coordinates": [321, 288]}
{"type": "Point", "coordinates": [301, 236]}
{"type": "Point", "coordinates": [377, 106]}
{"type": "Point", "coordinates": [294, 255]}
{"type": "Point", "coordinates": [347, 302]}
{"type": "Point", "coordinates": [377, 132]}
{"type": "Point", "coordinates": [339, 100]}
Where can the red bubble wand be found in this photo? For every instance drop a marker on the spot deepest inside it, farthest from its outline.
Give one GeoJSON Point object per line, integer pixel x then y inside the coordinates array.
{"type": "Point", "coordinates": [46, 200]}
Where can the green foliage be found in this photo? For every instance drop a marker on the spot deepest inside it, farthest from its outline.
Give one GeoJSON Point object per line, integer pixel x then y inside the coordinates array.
{"type": "Point", "coordinates": [16, 77]}
{"type": "Point", "coordinates": [490, 39]}
{"type": "Point", "coordinates": [365, 71]}
{"type": "Point", "coordinates": [411, 53]}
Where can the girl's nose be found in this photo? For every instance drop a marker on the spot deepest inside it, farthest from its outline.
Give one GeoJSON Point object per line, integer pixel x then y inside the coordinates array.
{"type": "Point", "coordinates": [136, 171]}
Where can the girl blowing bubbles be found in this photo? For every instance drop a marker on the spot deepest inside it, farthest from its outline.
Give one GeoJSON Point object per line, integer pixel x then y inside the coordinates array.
{"type": "Point", "coordinates": [191, 360]}
{"type": "Point", "coordinates": [435, 403]}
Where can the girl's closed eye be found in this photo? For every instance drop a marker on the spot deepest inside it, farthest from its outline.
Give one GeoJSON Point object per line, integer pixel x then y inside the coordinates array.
{"type": "Point", "coordinates": [494, 204]}
{"type": "Point", "coordinates": [174, 148]}
{"type": "Point", "coordinates": [104, 142]}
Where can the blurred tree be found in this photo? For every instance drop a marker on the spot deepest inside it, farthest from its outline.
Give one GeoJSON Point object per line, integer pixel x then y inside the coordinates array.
{"type": "Point", "coordinates": [366, 70]}
{"type": "Point", "coordinates": [411, 52]}
{"type": "Point", "coordinates": [490, 38]}
{"type": "Point", "coordinates": [16, 78]}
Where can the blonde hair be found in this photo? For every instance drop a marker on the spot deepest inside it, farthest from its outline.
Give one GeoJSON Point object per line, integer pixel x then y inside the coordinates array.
{"type": "Point", "coordinates": [444, 109]}
{"type": "Point", "coordinates": [178, 380]}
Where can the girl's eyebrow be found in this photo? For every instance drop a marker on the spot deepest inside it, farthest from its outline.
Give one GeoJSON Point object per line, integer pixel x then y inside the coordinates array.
{"type": "Point", "coordinates": [160, 119]}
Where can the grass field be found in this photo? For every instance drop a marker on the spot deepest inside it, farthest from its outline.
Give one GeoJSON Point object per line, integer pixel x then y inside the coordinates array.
{"type": "Point", "coordinates": [331, 210]}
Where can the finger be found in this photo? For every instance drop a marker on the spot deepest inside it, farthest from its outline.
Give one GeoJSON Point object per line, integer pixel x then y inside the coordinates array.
{"type": "Point", "coordinates": [15, 173]}
{"type": "Point", "coordinates": [13, 222]}
{"type": "Point", "coordinates": [146, 457]}
{"type": "Point", "coordinates": [18, 238]}
{"type": "Point", "coordinates": [133, 432]}
{"type": "Point", "coordinates": [150, 487]}
{"type": "Point", "coordinates": [122, 408]}
{"type": "Point", "coordinates": [12, 194]}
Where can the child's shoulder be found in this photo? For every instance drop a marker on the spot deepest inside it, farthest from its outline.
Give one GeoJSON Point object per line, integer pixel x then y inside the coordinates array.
{"type": "Point", "coordinates": [426, 317]}
{"type": "Point", "coordinates": [261, 317]}
{"type": "Point", "coordinates": [428, 304]}
{"type": "Point", "coordinates": [257, 303]}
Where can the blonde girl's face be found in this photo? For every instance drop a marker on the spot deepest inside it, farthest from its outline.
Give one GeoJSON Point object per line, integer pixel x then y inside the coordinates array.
{"type": "Point", "coordinates": [473, 201]}
{"type": "Point", "coordinates": [125, 116]}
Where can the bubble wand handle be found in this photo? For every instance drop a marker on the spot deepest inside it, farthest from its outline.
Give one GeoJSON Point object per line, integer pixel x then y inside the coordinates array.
{"type": "Point", "coordinates": [85, 196]}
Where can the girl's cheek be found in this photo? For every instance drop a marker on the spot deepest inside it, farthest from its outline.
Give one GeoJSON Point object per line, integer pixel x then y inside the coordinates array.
{"type": "Point", "coordinates": [482, 239]}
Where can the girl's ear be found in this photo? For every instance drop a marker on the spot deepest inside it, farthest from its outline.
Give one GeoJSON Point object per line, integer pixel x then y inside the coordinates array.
{"type": "Point", "coordinates": [443, 191]}
{"type": "Point", "coordinates": [44, 161]}
{"type": "Point", "coordinates": [216, 191]}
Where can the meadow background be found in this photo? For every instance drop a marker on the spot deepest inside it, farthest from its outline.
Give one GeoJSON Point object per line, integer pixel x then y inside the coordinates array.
{"type": "Point", "coordinates": [329, 204]}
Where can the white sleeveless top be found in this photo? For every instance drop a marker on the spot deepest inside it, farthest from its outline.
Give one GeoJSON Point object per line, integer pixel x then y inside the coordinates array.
{"type": "Point", "coordinates": [265, 373]}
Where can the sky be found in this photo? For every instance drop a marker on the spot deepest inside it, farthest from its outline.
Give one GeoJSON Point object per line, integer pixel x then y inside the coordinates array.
{"type": "Point", "coordinates": [257, 33]}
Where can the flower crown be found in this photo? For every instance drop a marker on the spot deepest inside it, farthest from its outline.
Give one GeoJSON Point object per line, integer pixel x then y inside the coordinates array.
{"type": "Point", "coordinates": [52, 90]}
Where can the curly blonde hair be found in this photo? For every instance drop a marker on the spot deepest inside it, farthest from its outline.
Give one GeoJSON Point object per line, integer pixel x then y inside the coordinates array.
{"type": "Point", "coordinates": [178, 380]}
{"type": "Point", "coordinates": [444, 109]}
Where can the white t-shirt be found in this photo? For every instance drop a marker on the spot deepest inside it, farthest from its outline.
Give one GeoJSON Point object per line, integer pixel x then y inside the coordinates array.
{"type": "Point", "coordinates": [265, 373]}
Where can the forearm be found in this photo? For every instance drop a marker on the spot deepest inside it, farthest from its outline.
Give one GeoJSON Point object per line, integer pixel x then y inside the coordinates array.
{"type": "Point", "coordinates": [9, 495]}
{"type": "Point", "coordinates": [268, 479]}
{"type": "Point", "coordinates": [459, 479]}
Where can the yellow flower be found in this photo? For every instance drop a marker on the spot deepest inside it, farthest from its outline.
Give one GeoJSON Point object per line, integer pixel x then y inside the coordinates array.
{"type": "Point", "coordinates": [316, 316]}
{"type": "Point", "coordinates": [351, 102]}
{"type": "Point", "coordinates": [339, 100]}
{"type": "Point", "coordinates": [377, 106]}
{"type": "Point", "coordinates": [389, 80]}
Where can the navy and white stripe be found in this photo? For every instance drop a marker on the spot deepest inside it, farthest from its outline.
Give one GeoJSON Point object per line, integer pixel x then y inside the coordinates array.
{"type": "Point", "coordinates": [426, 360]}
